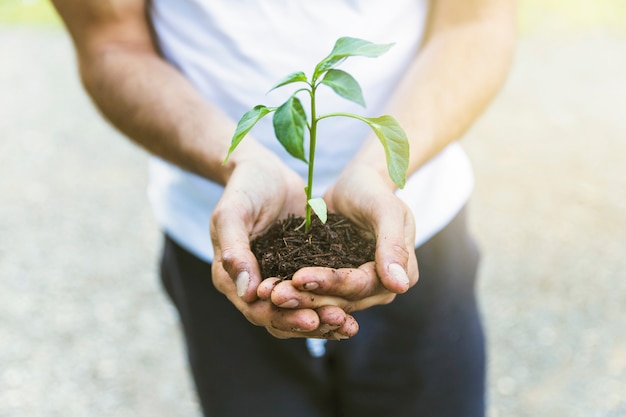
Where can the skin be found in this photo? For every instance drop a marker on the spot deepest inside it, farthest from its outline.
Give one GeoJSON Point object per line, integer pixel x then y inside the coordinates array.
{"type": "Point", "coordinates": [466, 54]}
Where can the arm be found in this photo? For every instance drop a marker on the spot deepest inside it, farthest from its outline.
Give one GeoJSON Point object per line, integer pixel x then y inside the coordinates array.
{"type": "Point", "coordinates": [465, 57]}
{"type": "Point", "coordinates": [156, 107]}
{"type": "Point", "coordinates": [140, 93]}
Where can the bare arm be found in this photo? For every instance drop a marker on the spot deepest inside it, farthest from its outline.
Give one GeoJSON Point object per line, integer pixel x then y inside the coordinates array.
{"type": "Point", "coordinates": [143, 95]}
{"type": "Point", "coordinates": [154, 105]}
{"type": "Point", "coordinates": [465, 57]}
{"type": "Point", "coordinates": [464, 60]}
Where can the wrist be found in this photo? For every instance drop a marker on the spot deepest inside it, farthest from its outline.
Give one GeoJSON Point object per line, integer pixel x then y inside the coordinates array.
{"type": "Point", "coordinates": [249, 153]}
{"type": "Point", "coordinates": [374, 173]}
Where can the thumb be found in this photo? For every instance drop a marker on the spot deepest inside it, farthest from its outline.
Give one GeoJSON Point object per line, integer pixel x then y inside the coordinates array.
{"type": "Point", "coordinates": [232, 251]}
{"type": "Point", "coordinates": [396, 264]}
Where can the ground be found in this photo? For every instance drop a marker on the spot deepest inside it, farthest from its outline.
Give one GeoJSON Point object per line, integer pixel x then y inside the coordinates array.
{"type": "Point", "coordinates": [86, 331]}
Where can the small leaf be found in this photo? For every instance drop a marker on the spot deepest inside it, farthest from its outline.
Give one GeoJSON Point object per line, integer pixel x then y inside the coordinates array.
{"type": "Point", "coordinates": [346, 47]}
{"type": "Point", "coordinates": [291, 78]}
{"type": "Point", "coordinates": [289, 124]}
{"type": "Point", "coordinates": [396, 145]}
{"type": "Point", "coordinates": [245, 124]}
{"type": "Point", "coordinates": [345, 85]}
{"type": "Point", "coordinates": [319, 208]}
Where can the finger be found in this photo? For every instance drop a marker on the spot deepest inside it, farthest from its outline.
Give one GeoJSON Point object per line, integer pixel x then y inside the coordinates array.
{"type": "Point", "coordinates": [335, 325]}
{"type": "Point", "coordinates": [349, 329]}
{"type": "Point", "coordinates": [265, 314]}
{"type": "Point", "coordinates": [232, 252]}
{"type": "Point", "coordinates": [287, 324]}
{"type": "Point", "coordinates": [300, 321]}
{"type": "Point", "coordinates": [347, 283]}
{"type": "Point", "coordinates": [395, 258]}
{"type": "Point", "coordinates": [264, 291]}
{"type": "Point", "coordinates": [286, 295]}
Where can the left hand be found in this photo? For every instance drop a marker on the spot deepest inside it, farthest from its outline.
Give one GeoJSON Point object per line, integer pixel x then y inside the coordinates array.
{"type": "Point", "coordinates": [363, 196]}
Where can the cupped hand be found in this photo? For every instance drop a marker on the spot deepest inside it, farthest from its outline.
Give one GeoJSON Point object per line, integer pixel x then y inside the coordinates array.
{"type": "Point", "coordinates": [367, 199]}
{"type": "Point", "coordinates": [365, 196]}
{"type": "Point", "coordinates": [259, 191]}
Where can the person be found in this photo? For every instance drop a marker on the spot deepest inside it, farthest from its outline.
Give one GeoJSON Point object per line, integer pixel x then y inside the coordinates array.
{"type": "Point", "coordinates": [174, 76]}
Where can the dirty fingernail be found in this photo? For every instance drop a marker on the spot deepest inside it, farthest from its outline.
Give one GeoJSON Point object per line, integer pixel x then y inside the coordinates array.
{"type": "Point", "coordinates": [242, 281]}
{"type": "Point", "coordinates": [289, 304]}
{"type": "Point", "coordinates": [398, 274]}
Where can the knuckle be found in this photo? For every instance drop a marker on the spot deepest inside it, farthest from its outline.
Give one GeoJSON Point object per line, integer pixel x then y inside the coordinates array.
{"type": "Point", "coordinates": [396, 248]}
{"type": "Point", "coordinates": [228, 258]}
{"type": "Point", "coordinates": [234, 261]}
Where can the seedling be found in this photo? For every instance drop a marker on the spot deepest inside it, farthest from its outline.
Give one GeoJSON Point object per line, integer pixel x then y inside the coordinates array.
{"type": "Point", "coordinates": [290, 119]}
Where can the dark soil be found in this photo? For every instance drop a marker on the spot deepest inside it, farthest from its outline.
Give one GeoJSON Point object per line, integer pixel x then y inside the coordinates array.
{"type": "Point", "coordinates": [285, 247]}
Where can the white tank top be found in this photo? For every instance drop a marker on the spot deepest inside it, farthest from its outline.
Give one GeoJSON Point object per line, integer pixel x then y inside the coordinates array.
{"type": "Point", "coordinates": [235, 51]}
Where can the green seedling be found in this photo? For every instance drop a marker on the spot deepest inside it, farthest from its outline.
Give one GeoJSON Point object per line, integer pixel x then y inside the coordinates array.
{"type": "Point", "coordinates": [290, 119]}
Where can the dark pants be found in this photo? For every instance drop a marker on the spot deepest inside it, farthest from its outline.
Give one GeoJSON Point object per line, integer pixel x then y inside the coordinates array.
{"type": "Point", "coordinates": [421, 355]}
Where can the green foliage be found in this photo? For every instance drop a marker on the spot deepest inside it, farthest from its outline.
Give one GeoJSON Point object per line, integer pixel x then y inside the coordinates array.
{"type": "Point", "coordinates": [347, 47]}
{"type": "Point", "coordinates": [345, 85]}
{"type": "Point", "coordinates": [319, 208]}
{"type": "Point", "coordinates": [291, 78]}
{"type": "Point", "coordinates": [396, 146]}
{"type": "Point", "coordinates": [290, 119]}
{"type": "Point", "coordinates": [246, 123]}
{"type": "Point", "coordinates": [289, 125]}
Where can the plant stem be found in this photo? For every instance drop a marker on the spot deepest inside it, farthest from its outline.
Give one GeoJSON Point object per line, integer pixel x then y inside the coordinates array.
{"type": "Point", "coordinates": [312, 143]}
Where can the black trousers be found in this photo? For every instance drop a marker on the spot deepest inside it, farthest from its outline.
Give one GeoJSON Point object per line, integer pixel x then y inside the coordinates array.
{"type": "Point", "coordinates": [421, 355]}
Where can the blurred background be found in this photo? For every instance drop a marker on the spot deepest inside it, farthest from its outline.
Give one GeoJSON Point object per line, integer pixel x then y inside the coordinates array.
{"type": "Point", "coordinates": [86, 331]}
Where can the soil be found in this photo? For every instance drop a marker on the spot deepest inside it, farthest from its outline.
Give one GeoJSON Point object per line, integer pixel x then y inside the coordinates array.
{"type": "Point", "coordinates": [286, 247]}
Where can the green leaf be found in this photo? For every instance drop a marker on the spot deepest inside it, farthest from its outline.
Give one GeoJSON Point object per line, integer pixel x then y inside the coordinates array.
{"type": "Point", "coordinates": [245, 124]}
{"type": "Point", "coordinates": [319, 208]}
{"type": "Point", "coordinates": [289, 124]}
{"type": "Point", "coordinates": [291, 78]}
{"type": "Point", "coordinates": [346, 47]}
{"type": "Point", "coordinates": [396, 146]}
{"type": "Point", "coordinates": [345, 85]}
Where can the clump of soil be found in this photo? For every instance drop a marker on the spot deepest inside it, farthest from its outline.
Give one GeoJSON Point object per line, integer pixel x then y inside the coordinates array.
{"type": "Point", "coordinates": [285, 247]}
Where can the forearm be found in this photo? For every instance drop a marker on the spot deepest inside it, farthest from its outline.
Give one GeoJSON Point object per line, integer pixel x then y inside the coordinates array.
{"type": "Point", "coordinates": [154, 105]}
{"type": "Point", "coordinates": [143, 95]}
{"type": "Point", "coordinates": [457, 73]}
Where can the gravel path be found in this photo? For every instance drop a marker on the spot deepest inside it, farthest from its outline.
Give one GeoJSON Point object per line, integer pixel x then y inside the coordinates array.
{"type": "Point", "coordinates": [86, 331]}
